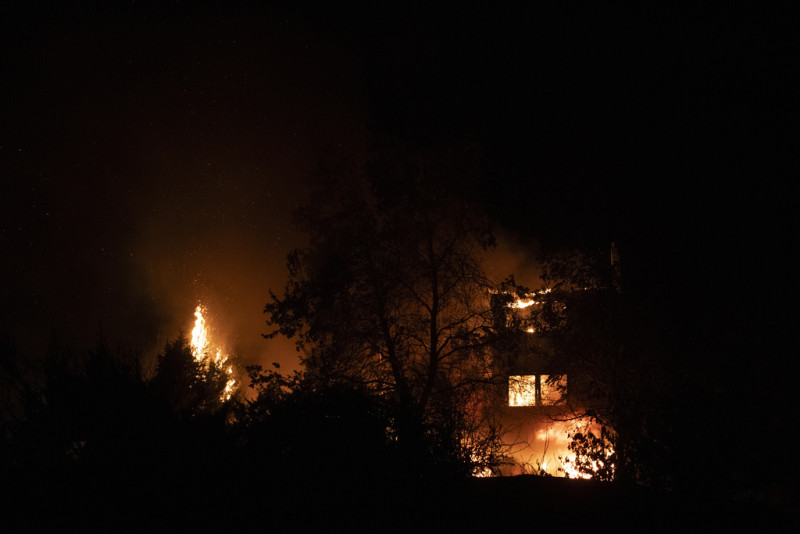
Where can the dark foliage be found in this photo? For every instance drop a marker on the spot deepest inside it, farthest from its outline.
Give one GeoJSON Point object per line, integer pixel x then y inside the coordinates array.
{"type": "Point", "coordinates": [92, 434]}
{"type": "Point", "coordinates": [339, 432]}
{"type": "Point", "coordinates": [96, 442]}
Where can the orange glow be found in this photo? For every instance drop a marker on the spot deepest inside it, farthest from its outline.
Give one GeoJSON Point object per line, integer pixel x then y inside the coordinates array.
{"type": "Point", "coordinates": [538, 443]}
{"type": "Point", "coordinates": [202, 352]}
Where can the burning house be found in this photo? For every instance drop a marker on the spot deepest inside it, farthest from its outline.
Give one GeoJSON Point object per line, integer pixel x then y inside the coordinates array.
{"type": "Point", "coordinates": [543, 394]}
{"type": "Point", "coordinates": [532, 399]}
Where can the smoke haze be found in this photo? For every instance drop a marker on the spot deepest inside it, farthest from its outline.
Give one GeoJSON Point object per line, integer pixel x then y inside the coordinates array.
{"type": "Point", "coordinates": [150, 167]}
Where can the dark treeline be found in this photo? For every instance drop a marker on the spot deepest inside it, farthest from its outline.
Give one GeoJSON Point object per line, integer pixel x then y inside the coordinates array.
{"type": "Point", "coordinates": [96, 437]}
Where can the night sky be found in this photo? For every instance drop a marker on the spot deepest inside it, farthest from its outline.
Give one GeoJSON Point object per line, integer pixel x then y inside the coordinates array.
{"type": "Point", "coordinates": [151, 157]}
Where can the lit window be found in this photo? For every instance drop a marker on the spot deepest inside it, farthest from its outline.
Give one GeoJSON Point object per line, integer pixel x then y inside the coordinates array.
{"type": "Point", "coordinates": [536, 390]}
{"type": "Point", "coordinates": [553, 389]}
{"type": "Point", "coordinates": [522, 390]}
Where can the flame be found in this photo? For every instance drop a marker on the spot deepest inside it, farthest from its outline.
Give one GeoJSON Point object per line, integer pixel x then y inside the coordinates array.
{"type": "Point", "coordinates": [528, 300]}
{"type": "Point", "coordinates": [521, 303]}
{"type": "Point", "coordinates": [539, 443]}
{"type": "Point", "coordinates": [199, 335]}
{"type": "Point", "coordinates": [201, 350]}
{"type": "Point", "coordinates": [482, 472]}
{"type": "Point", "coordinates": [570, 468]}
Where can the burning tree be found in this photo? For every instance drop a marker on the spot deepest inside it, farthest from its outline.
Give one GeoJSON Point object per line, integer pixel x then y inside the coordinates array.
{"type": "Point", "coordinates": [212, 360]}
{"type": "Point", "coordinates": [195, 376]}
{"type": "Point", "coordinates": [389, 295]}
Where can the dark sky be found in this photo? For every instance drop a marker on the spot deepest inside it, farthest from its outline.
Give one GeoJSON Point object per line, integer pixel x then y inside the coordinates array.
{"type": "Point", "coordinates": [150, 157]}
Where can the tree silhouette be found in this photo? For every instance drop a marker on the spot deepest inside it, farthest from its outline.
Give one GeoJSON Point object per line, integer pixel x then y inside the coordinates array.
{"type": "Point", "coordinates": [93, 436]}
{"type": "Point", "coordinates": [390, 294]}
